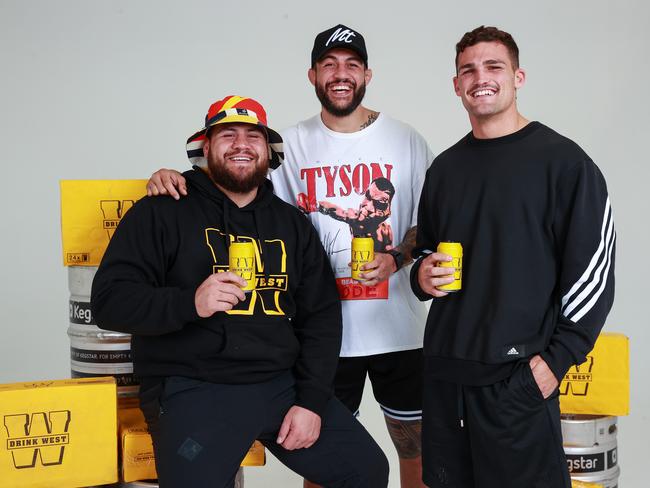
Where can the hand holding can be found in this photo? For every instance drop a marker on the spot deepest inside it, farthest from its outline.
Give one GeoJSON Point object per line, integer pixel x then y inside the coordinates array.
{"type": "Point", "coordinates": [455, 250]}
{"type": "Point", "coordinates": [242, 262]}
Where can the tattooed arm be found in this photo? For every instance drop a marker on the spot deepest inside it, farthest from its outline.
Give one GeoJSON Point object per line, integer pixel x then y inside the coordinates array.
{"type": "Point", "coordinates": [407, 245]}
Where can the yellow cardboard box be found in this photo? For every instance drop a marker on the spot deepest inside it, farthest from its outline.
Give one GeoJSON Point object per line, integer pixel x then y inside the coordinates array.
{"type": "Point", "coordinates": [138, 462]}
{"type": "Point", "coordinates": [58, 433]}
{"type": "Point", "coordinates": [90, 212]}
{"type": "Point", "coordinates": [600, 385]}
{"type": "Point", "coordinates": [584, 484]}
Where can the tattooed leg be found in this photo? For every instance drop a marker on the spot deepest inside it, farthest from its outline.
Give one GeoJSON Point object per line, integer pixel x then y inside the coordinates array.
{"type": "Point", "coordinates": [406, 436]}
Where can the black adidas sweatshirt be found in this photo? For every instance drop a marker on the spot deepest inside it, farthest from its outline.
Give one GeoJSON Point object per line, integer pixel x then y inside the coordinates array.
{"type": "Point", "coordinates": [532, 213]}
{"type": "Point", "coordinates": [164, 249]}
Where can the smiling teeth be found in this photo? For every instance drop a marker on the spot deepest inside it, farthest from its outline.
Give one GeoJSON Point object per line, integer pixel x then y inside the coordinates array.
{"type": "Point", "coordinates": [482, 93]}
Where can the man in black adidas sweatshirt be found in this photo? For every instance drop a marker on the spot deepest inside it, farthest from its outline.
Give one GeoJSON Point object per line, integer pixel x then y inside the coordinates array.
{"type": "Point", "coordinates": [219, 367]}
{"type": "Point", "coordinates": [532, 213]}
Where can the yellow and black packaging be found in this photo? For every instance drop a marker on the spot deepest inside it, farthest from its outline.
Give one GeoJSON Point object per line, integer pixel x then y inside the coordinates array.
{"type": "Point", "coordinates": [90, 213]}
{"type": "Point", "coordinates": [241, 259]}
{"type": "Point", "coordinates": [138, 461]}
{"type": "Point", "coordinates": [584, 484]}
{"type": "Point", "coordinates": [58, 433]}
{"type": "Point", "coordinates": [455, 250]}
{"type": "Point", "coordinates": [600, 385]}
{"type": "Point", "coordinates": [362, 252]}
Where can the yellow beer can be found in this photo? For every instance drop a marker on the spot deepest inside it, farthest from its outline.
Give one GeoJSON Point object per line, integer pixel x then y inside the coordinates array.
{"type": "Point", "coordinates": [242, 262]}
{"type": "Point", "coordinates": [363, 251]}
{"type": "Point", "coordinates": [455, 250]}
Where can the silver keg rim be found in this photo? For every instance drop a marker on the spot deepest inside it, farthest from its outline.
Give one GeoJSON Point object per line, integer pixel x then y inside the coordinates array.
{"type": "Point", "coordinates": [588, 430]}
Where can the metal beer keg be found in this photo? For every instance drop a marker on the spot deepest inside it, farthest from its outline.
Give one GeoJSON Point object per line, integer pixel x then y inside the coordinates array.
{"type": "Point", "coordinates": [591, 448]}
{"type": "Point", "coordinates": [93, 351]}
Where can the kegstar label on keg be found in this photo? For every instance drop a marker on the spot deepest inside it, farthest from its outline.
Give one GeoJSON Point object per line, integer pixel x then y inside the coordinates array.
{"type": "Point", "coordinates": [100, 356]}
{"type": "Point", "coordinates": [80, 313]}
{"type": "Point", "coordinates": [591, 462]}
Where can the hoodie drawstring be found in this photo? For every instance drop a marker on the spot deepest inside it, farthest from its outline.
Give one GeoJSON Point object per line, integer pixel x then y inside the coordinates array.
{"type": "Point", "coordinates": [262, 242]}
{"type": "Point", "coordinates": [226, 221]}
{"type": "Point", "coordinates": [461, 404]}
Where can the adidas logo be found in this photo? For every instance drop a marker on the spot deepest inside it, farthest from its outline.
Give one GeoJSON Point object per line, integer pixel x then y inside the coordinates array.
{"type": "Point", "coordinates": [512, 352]}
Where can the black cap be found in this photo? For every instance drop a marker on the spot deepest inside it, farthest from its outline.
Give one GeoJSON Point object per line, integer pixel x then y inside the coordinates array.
{"type": "Point", "coordinates": [339, 36]}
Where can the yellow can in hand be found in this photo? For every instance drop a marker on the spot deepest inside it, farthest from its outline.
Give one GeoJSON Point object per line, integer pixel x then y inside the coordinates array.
{"type": "Point", "coordinates": [455, 250]}
{"type": "Point", "coordinates": [363, 251]}
{"type": "Point", "coordinates": [242, 262]}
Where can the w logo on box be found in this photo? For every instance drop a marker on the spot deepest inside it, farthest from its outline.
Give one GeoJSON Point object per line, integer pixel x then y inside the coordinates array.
{"type": "Point", "coordinates": [39, 436]}
{"type": "Point", "coordinates": [113, 211]}
{"type": "Point", "coordinates": [577, 379]}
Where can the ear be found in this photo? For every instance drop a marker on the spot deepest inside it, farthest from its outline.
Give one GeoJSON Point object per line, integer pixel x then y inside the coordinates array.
{"type": "Point", "coordinates": [520, 78]}
{"type": "Point", "coordinates": [206, 147]}
{"type": "Point", "coordinates": [456, 87]}
{"type": "Point", "coordinates": [311, 74]}
{"type": "Point", "coordinates": [368, 75]}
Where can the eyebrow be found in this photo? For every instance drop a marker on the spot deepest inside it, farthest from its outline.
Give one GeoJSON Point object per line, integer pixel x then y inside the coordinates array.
{"type": "Point", "coordinates": [352, 57]}
{"type": "Point", "coordinates": [486, 62]}
{"type": "Point", "coordinates": [252, 128]}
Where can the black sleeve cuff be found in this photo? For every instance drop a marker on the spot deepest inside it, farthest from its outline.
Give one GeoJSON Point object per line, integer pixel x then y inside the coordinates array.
{"type": "Point", "coordinates": [313, 399]}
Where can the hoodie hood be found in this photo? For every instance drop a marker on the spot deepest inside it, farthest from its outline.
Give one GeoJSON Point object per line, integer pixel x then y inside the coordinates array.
{"type": "Point", "coordinates": [199, 181]}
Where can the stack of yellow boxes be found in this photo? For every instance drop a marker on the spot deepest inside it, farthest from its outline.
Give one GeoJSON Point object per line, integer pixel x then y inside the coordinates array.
{"type": "Point", "coordinates": [90, 212]}
{"type": "Point", "coordinates": [592, 395]}
{"type": "Point", "coordinates": [138, 462]}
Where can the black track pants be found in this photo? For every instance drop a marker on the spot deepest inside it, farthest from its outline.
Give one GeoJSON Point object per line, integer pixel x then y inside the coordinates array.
{"type": "Point", "coordinates": [202, 431]}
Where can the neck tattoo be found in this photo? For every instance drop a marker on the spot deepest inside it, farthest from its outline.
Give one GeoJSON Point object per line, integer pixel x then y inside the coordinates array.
{"type": "Point", "coordinates": [371, 118]}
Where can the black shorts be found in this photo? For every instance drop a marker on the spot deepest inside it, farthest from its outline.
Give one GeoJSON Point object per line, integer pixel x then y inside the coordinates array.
{"type": "Point", "coordinates": [510, 435]}
{"type": "Point", "coordinates": [396, 379]}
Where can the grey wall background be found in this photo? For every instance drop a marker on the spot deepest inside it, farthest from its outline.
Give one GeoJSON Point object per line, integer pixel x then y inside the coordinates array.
{"type": "Point", "coordinates": [111, 89]}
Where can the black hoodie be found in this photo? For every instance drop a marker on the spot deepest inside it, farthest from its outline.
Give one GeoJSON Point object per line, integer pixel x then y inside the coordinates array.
{"type": "Point", "coordinates": [164, 249]}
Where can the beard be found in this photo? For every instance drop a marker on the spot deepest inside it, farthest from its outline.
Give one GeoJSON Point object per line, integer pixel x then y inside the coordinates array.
{"type": "Point", "coordinates": [346, 110]}
{"type": "Point", "coordinates": [234, 181]}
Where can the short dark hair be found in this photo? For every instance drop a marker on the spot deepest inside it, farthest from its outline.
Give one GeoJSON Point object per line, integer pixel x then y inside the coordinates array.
{"type": "Point", "coordinates": [488, 34]}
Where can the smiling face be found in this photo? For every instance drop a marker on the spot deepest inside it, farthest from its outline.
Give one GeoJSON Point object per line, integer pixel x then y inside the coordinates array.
{"type": "Point", "coordinates": [487, 81]}
{"type": "Point", "coordinates": [340, 78]}
{"type": "Point", "coordinates": [237, 155]}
